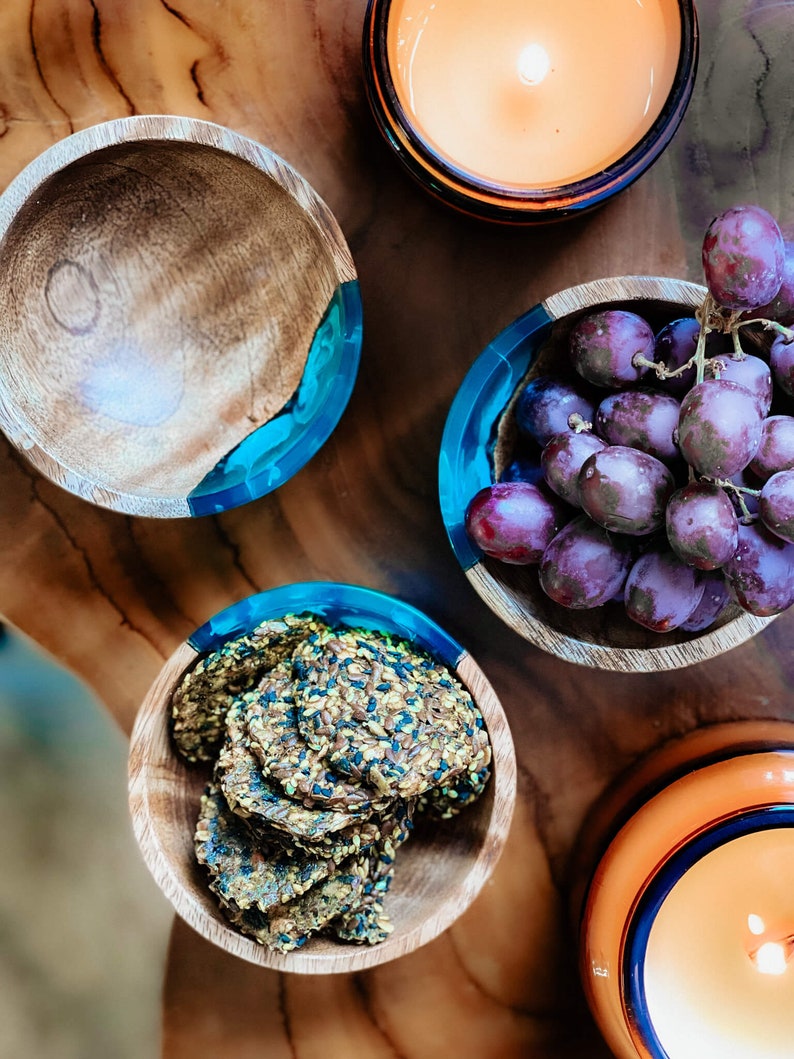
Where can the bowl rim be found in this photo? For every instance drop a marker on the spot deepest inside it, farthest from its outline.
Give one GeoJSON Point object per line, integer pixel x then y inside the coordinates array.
{"type": "Point", "coordinates": [465, 467]}
{"type": "Point", "coordinates": [269, 457]}
{"type": "Point", "coordinates": [151, 755]}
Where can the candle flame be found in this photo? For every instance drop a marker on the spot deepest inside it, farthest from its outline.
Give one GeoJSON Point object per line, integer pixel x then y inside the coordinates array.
{"type": "Point", "coordinates": [533, 64]}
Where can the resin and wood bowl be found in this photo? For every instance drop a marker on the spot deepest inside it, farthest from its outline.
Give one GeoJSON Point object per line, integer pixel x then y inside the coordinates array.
{"type": "Point", "coordinates": [478, 442]}
{"type": "Point", "coordinates": [180, 320]}
{"type": "Point", "coordinates": [438, 872]}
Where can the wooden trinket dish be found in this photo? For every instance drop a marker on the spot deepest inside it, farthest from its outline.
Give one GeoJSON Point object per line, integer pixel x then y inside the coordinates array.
{"type": "Point", "coordinates": [477, 444]}
{"type": "Point", "coordinates": [438, 872]}
{"type": "Point", "coordinates": [180, 320]}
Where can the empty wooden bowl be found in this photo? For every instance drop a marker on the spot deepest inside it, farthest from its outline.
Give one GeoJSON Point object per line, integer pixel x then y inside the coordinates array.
{"type": "Point", "coordinates": [438, 872]}
{"type": "Point", "coordinates": [180, 320]}
{"type": "Point", "coordinates": [476, 444]}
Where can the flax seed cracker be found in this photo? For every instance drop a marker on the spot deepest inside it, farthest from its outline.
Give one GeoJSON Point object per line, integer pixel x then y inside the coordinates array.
{"type": "Point", "coordinates": [201, 701]}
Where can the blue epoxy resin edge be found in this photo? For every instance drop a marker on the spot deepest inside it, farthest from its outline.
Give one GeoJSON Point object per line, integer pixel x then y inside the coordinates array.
{"type": "Point", "coordinates": [465, 462]}
{"type": "Point", "coordinates": [277, 450]}
{"type": "Point", "coordinates": [338, 604]}
{"type": "Point", "coordinates": [639, 932]}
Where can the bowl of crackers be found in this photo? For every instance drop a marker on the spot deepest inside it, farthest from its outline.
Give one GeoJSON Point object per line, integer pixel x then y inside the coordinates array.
{"type": "Point", "coordinates": [321, 779]}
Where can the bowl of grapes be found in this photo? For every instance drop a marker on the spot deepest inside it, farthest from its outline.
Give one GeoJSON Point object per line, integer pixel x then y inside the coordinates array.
{"type": "Point", "coordinates": [616, 474]}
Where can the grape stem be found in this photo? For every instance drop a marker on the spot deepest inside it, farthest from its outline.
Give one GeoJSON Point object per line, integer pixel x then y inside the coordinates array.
{"type": "Point", "coordinates": [578, 423]}
{"type": "Point", "coordinates": [768, 325]}
{"type": "Point", "coordinates": [739, 491]}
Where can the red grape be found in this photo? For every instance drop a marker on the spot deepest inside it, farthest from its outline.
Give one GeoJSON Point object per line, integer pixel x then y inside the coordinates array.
{"type": "Point", "coordinates": [781, 308]}
{"type": "Point", "coordinates": [776, 505]}
{"type": "Point", "coordinates": [760, 574]}
{"type": "Point", "coordinates": [743, 256]}
{"type": "Point", "coordinates": [641, 419]}
{"type": "Point", "coordinates": [776, 449]}
{"type": "Point", "coordinates": [719, 428]}
{"type": "Point", "coordinates": [584, 566]}
{"type": "Point", "coordinates": [562, 460]}
{"type": "Point", "coordinates": [603, 347]}
{"type": "Point", "coordinates": [544, 405]}
{"type": "Point", "coordinates": [781, 358]}
{"type": "Point", "coordinates": [750, 372]}
{"type": "Point", "coordinates": [702, 527]}
{"type": "Point", "coordinates": [625, 490]}
{"type": "Point", "coordinates": [715, 599]}
{"type": "Point", "coordinates": [514, 521]}
{"type": "Point", "coordinates": [675, 345]}
{"type": "Point", "coordinates": [661, 591]}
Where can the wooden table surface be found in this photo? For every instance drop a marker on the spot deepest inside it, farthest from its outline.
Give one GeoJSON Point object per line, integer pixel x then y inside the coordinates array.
{"type": "Point", "coordinates": [111, 596]}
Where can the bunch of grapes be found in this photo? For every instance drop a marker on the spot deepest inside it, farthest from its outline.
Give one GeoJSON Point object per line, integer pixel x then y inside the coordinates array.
{"type": "Point", "coordinates": [664, 474]}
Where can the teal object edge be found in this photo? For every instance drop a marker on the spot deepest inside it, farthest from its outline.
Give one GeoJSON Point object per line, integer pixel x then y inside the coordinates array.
{"type": "Point", "coordinates": [352, 606]}
{"type": "Point", "coordinates": [277, 450]}
{"type": "Point", "coordinates": [466, 457]}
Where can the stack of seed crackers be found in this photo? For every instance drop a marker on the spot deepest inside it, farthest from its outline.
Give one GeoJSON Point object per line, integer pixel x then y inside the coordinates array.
{"type": "Point", "coordinates": [326, 743]}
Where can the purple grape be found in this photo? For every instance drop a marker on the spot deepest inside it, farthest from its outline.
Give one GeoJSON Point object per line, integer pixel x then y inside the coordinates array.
{"type": "Point", "coordinates": [776, 505]}
{"type": "Point", "coordinates": [719, 428]}
{"type": "Point", "coordinates": [625, 490]}
{"type": "Point", "coordinates": [584, 566]}
{"type": "Point", "coordinates": [750, 372]}
{"type": "Point", "coordinates": [781, 358]}
{"type": "Point", "coordinates": [514, 521]}
{"type": "Point", "coordinates": [702, 527]}
{"type": "Point", "coordinates": [743, 256]}
{"type": "Point", "coordinates": [760, 574]}
{"type": "Point", "coordinates": [716, 598]}
{"type": "Point", "coordinates": [675, 345]}
{"type": "Point", "coordinates": [776, 449]}
{"type": "Point", "coordinates": [641, 419]}
{"type": "Point", "coordinates": [544, 405]}
{"type": "Point", "coordinates": [781, 307]}
{"type": "Point", "coordinates": [603, 347]}
{"type": "Point", "coordinates": [661, 591]}
{"type": "Point", "coordinates": [562, 460]}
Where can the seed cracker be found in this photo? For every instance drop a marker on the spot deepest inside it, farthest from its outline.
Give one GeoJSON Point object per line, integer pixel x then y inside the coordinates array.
{"type": "Point", "coordinates": [270, 717]}
{"type": "Point", "coordinates": [290, 925]}
{"type": "Point", "coordinates": [246, 870]}
{"type": "Point", "coordinates": [383, 713]}
{"type": "Point", "coordinates": [201, 701]}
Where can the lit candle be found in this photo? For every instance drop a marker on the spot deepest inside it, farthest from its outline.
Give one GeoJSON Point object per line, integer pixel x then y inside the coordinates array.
{"type": "Point", "coordinates": [688, 926]}
{"type": "Point", "coordinates": [510, 101]}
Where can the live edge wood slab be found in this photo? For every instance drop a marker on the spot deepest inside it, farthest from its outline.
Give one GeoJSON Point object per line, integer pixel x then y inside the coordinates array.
{"type": "Point", "coordinates": [112, 596]}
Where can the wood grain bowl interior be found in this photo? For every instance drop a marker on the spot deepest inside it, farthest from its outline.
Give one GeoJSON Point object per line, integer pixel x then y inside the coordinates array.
{"type": "Point", "coordinates": [438, 873]}
{"type": "Point", "coordinates": [604, 636]}
{"type": "Point", "coordinates": [158, 299]}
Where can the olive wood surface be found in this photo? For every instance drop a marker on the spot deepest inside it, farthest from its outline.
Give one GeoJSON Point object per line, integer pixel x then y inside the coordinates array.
{"type": "Point", "coordinates": [438, 873]}
{"type": "Point", "coordinates": [112, 596]}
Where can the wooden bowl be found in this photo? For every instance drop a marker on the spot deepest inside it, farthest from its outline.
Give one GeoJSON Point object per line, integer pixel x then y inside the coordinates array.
{"type": "Point", "coordinates": [180, 320]}
{"type": "Point", "coordinates": [477, 440]}
{"type": "Point", "coordinates": [439, 871]}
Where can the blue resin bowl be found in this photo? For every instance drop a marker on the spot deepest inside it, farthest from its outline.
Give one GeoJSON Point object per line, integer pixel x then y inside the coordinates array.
{"type": "Point", "coordinates": [180, 319]}
{"type": "Point", "coordinates": [478, 441]}
{"type": "Point", "coordinates": [439, 871]}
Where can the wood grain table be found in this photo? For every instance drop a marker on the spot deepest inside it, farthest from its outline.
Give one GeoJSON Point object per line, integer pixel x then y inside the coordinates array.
{"type": "Point", "coordinates": [111, 596]}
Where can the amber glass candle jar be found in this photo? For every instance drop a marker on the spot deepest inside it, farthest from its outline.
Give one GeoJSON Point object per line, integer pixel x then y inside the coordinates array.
{"type": "Point", "coordinates": [528, 110]}
{"type": "Point", "coordinates": [687, 930]}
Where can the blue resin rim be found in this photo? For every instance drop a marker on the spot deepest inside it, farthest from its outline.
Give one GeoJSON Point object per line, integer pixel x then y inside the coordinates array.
{"type": "Point", "coordinates": [461, 189]}
{"type": "Point", "coordinates": [278, 449]}
{"type": "Point", "coordinates": [465, 462]}
{"type": "Point", "coordinates": [764, 819]}
{"type": "Point", "coordinates": [339, 604]}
